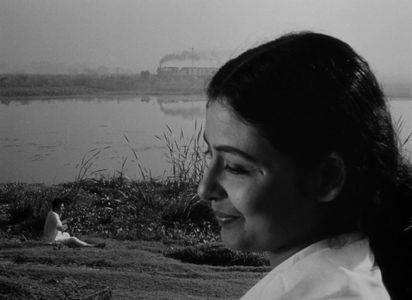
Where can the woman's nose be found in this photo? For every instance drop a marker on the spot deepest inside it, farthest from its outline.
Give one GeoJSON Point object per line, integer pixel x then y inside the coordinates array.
{"type": "Point", "coordinates": [209, 187]}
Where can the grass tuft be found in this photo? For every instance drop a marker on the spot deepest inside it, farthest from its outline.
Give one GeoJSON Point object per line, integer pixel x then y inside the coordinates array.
{"type": "Point", "coordinates": [216, 255]}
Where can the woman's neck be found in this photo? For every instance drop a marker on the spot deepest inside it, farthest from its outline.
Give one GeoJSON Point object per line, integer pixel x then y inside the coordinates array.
{"type": "Point", "coordinates": [278, 256]}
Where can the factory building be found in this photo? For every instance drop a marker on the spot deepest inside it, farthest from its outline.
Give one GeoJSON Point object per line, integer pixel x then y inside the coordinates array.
{"type": "Point", "coordinates": [186, 71]}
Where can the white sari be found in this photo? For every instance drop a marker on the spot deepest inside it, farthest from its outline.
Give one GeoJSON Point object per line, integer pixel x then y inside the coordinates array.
{"type": "Point", "coordinates": [324, 272]}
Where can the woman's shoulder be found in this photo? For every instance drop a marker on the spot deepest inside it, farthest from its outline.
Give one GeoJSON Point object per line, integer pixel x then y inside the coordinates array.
{"type": "Point", "coordinates": [325, 270]}
{"type": "Point", "coordinates": [52, 215]}
{"type": "Point", "coordinates": [337, 270]}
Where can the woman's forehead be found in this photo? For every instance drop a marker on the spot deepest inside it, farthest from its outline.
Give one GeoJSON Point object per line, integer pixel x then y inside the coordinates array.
{"type": "Point", "coordinates": [221, 121]}
{"type": "Point", "coordinates": [224, 128]}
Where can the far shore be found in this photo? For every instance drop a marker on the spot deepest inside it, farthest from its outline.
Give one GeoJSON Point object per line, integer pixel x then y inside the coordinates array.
{"type": "Point", "coordinates": [109, 94]}
{"type": "Point", "coordinates": [102, 94]}
{"type": "Point", "coordinates": [58, 86]}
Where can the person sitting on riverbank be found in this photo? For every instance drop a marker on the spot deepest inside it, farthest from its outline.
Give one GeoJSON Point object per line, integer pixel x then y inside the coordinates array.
{"type": "Point", "coordinates": [54, 229]}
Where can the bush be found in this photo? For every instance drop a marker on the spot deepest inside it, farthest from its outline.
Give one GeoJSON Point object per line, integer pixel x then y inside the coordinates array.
{"type": "Point", "coordinates": [165, 209]}
{"type": "Point", "coordinates": [186, 209]}
{"type": "Point", "coordinates": [216, 255]}
{"type": "Point", "coordinates": [26, 207]}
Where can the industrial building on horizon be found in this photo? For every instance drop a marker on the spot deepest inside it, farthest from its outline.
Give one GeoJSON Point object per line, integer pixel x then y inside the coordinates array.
{"type": "Point", "coordinates": [186, 71]}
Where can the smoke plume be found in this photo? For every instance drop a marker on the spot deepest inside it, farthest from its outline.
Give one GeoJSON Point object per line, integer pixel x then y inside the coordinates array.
{"type": "Point", "coordinates": [214, 57]}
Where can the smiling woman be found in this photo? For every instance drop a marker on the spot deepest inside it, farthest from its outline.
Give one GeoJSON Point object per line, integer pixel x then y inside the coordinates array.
{"type": "Point", "coordinates": [247, 170]}
{"type": "Point", "coordinates": [304, 164]}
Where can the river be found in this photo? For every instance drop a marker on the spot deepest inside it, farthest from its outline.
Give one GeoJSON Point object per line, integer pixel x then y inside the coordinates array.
{"type": "Point", "coordinates": [43, 140]}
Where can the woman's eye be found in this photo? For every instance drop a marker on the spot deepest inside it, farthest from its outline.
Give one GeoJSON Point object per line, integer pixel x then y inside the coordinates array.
{"type": "Point", "coordinates": [236, 170]}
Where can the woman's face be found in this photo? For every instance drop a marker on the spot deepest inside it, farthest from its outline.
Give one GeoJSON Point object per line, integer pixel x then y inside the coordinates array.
{"type": "Point", "coordinates": [256, 192]}
{"type": "Point", "coordinates": [60, 208]}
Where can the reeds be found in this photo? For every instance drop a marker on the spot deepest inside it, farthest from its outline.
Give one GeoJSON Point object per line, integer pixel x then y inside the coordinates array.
{"type": "Point", "coordinates": [184, 155]}
{"type": "Point", "coordinates": [398, 130]}
{"type": "Point", "coordinates": [115, 206]}
{"type": "Point", "coordinates": [145, 173]}
{"type": "Point", "coordinates": [84, 167]}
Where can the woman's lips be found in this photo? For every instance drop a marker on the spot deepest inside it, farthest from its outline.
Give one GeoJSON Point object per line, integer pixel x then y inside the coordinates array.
{"type": "Point", "coordinates": [225, 219]}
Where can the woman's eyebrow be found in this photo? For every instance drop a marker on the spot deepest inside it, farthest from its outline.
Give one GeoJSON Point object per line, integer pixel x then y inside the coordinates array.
{"type": "Point", "coordinates": [232, 150]}
{"type": "Point", "coordinates": [236, 151]}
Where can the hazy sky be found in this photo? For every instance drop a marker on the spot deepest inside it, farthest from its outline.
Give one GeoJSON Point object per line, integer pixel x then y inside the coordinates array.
{"type": "Point", "coordinates": [136, 34]}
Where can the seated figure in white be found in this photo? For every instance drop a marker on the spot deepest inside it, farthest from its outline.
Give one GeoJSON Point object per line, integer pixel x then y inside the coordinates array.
{"type": "Point", "coordinates": [54, 228]}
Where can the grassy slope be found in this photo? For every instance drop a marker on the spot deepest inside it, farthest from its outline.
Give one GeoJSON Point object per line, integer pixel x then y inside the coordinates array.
{"type": "Point", "coordinates": [149, 214]}
{"type": "Point", "coordinates": [155, 218]}
{"type": "Point", "coordinates": [131, 269]}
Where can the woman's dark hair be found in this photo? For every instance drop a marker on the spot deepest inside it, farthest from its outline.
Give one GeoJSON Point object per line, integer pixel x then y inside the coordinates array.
{"type": "Point", "coordinates": [56, 203]}
{"type": "Point", "coordinates": [312, 95]}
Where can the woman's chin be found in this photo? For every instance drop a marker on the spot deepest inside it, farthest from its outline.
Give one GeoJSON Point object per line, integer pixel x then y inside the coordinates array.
{"type": "Point", "coordinates": [233, 241]}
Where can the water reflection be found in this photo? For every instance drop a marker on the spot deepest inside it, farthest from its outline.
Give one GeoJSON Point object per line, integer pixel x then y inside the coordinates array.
{"type": "Point", "coordinates": [42, 140]}
{"type": "Point", "coordinates": [5, 102]}
{"type": "Point", "coordinates": [180, 98]}
{"type": "Point", "coordinates": [145, 99]}
{"type": "Point", "coordinates": [184, 112]}
{"type": "Point", "coordinates": [108, 97]}
{"type": "Point", "coordinates": [86, 98]}
{"type": "Point", "coordinates": [11, 146]}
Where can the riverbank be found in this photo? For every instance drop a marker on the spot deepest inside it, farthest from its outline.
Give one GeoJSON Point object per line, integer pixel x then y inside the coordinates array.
{"type": "Point", "coordinates": [18, 86]}
{"type": "Point", "coordinates": [26, 86]}
{"type": "Point", "coordinates": [88, 94]}
{"type": "Point", "coordinates": [100, 94]}
{"type": "Point", "coordinates": [113, 207]}
{"type": "Point", "coordinates": [161, 243]}
{"type": "Point", "coordinates": [123, 270]}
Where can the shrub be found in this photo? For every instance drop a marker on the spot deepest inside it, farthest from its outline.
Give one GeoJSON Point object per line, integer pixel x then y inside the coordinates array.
{"type": "Point", "coordinates": [185, 156]}
{"type": "Point", "coordinates": [216, 255]}
{"type": "Point", "coordinates": [166, 208]}
{"type": "Point", "coordinates": [27, 206]}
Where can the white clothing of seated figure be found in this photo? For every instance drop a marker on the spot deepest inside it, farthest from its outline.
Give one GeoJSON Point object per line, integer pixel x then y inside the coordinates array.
{"type": "Point", "coordinates": [51, 232]}
{"type": "Point", "coordinates": [322, 271]}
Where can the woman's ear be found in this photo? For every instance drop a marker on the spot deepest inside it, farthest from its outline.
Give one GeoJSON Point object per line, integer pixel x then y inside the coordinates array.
{"type": "Point", "coordinates": [328, 178]}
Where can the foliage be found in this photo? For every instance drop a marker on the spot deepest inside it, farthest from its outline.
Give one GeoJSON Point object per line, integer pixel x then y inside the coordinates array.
{"type": "Point", "coordinates": [25, 206]}
{"type": "Point", "coordinates": [185, 155]}
{"type": "Point", "coordinates": [399, 128]}
{"type": "Point", "coordinates": [28, 85]}
{"type": "Point", "coordinates": [110, 207]}
{"type": "Point", "coordinates": [217, 255]}
{"type": "Point", "coordinates": [164, 209]}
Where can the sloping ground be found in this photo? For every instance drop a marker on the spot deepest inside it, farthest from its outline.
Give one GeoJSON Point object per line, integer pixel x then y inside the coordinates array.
{"type": "Point", "coordinates": [127, 270]}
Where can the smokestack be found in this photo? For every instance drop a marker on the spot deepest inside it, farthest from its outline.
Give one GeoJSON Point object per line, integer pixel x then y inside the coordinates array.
{"type": "Point", "coordinates": [184, 55]}
{"type": "Point", "coordinates": [214, 57]}
{"type": "Point", "coordinates": [192, 57]}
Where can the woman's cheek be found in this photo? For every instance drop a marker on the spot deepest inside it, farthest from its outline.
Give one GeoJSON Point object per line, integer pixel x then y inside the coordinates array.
{"type": "Point", "coordinates": [242, 195]}
{"type": "Point", "coordinates": [260, 198]}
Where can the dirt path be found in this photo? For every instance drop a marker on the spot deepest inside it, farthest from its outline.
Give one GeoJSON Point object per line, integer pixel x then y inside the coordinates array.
{"type": "Point", "coordinates": [127, 270]}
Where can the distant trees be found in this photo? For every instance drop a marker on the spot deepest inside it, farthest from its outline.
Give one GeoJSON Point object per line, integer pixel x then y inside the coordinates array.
{"type": "Point", "coordinates": [145, 75]}
{"type": "Point", "coordinates": [70, 84]}
{"type": "Point", "coordinates": [3, 81]}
